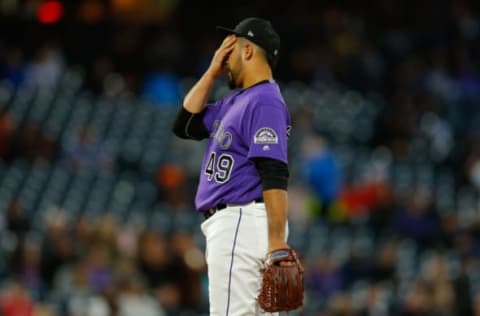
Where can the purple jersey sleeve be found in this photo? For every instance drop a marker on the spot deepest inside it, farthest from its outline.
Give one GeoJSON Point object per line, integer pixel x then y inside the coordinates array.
{"type": "Point", "coordinates": [267, 133]}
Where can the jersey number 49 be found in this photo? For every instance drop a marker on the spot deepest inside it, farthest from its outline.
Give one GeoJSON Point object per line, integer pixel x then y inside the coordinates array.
{"type": "Point", "coordinates": [219, 169]}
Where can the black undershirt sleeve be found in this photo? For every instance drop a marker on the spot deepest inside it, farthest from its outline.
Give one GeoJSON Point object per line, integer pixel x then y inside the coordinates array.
{"type": "Point", "coordinates": [190, 126]}
{"type": "Point", "coordinates": [274, 173]}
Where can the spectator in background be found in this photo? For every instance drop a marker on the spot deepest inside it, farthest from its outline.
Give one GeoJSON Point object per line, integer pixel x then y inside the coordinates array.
{"type": "Point", "coordinates": [7, 128]}
{"type": "Point", "coordinates": [321, 173]}
{"type": "Point", "coordinates": [341, 305]}
{"type": "Point", "coordinates": [29, 270]}
{"type": "Point", "coordinates": [155, 260]}
{"type": "Point", "coordinates": [439, 82]}
{"type": "Point", "coordinates": [384, 268]}
{"type": "Point", "coordinates": [157, 265]}
{"type": "Point", "coordinates": [57, 247]}
{"type": "Point", "coordinates": [134, 300]}
{"type": "Point", "coordinates": [101, 68]}
{"type": "Point", "coordinates": [417, 301]}
{"type": "Point", "coordinates": [417, 220]}
{"type": "Point", "coordinates": [190, 262]}
{"type": "Point", "coordinates": [171, 180]}
{"type": "Point", "coordinates": [368, 193]}
{"type": "Point", "coordinates": [466, 73]}
{"type": "Point", "coordinates": [81, 301]}
{"type": "Point", "coordinates": [46, 69]}
{"type": "Point", "coordinates": [17, 221]}
{"type": "Point", "coordinates": [98, 266]}
{"type": "Point", "coordinates": [358, 267]}
{"type": "Point", "coordinates": [162, 88]}
{"type": "Point", "coordinates": [14, 70]}
{"type": "Point", "coordinates": [86, 152]}
{"type": "Point", "coordinates": [303, 128]}
{"type": "Point", "coordinates": [376, 302]}
{"type": "Point", "coordinates": [33, 144]}
{"type": "Point", "coordinates": [463, 289]}
{"type": "Point", "coordinates": [16, 301]}
{"type": "Point", "coordinates": [324, 278]}
{"type": "Point", "coordinates": [25, 257]}
{"type": "Point", "coordinates": [25, 142]}
{"type": "Point", "coordinates": [47, 147]}
{"type": "Point", "coordinates": [438, 278]}
{"type": "Point", "coordinates": [164, 56]}
{"type": "Point", "coordinates": [169, 297]}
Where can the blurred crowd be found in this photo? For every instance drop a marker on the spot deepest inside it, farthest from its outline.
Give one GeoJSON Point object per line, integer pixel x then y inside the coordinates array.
{"type": "Point", "coordinates": [387, 223]}
{"type": "Point", "coordinates": [403, 50]}
{"type": "Point", "coordinates": [95, 266]}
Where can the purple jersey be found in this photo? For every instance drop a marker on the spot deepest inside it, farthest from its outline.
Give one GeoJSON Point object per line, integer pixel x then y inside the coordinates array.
{"type": "Point", "coordinates": [246, 124]}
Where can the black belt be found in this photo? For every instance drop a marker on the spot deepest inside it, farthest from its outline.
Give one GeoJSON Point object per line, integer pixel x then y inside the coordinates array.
{"type": "Point", "coordinates": [209, 213]}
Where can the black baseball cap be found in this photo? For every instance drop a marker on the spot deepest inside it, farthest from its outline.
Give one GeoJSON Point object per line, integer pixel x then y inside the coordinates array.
{"type": "Point", "coordinates": [260, 32]}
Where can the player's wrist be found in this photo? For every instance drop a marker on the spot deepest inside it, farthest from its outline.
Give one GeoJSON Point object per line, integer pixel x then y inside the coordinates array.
{"type": "Point", "coordinates": [277, 244]}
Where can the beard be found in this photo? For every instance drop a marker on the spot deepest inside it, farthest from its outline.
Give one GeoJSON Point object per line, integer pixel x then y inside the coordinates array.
{"type": "Point", "coordinates": [232, 84]}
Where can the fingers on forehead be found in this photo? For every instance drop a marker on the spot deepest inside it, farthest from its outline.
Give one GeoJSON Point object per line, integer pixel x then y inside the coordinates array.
{"type": "Point", "coordinates": [230, 37]}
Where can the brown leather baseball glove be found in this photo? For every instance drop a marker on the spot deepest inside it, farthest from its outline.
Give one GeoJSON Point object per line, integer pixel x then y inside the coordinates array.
{"type": "Point", "coordinates": [282, 285]}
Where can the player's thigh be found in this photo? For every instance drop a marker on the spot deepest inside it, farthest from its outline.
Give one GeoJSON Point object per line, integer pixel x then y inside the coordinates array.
{"type": "Point", "coordinates": [234, 262]}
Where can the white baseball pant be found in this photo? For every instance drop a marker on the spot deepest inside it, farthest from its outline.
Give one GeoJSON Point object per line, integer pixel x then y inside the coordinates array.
{"type": "Point", "coordinates": [236, 247]}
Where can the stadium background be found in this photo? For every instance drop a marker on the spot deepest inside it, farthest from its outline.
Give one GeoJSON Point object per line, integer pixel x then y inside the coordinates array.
{"type": "Point", "coordinates": [96, 195]}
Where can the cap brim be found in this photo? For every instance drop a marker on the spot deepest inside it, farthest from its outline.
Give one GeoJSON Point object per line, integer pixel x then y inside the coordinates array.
{"type": "Point", "coordinates": [227, 30]}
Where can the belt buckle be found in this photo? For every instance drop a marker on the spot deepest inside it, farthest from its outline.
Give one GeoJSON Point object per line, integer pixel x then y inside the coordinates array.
{"type": "Point", "coordinates": [210, 212]}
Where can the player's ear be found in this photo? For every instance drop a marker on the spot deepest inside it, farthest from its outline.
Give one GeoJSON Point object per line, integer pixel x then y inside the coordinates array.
{"type": "Point", "coordinates": [248, 51]}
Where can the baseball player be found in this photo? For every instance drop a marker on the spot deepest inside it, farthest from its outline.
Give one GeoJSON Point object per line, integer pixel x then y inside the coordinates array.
{"type": "Point", "coordinates": [242, 190]}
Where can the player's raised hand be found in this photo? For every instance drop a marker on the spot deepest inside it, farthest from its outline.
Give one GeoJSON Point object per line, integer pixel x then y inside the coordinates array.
{"type": "Point", "coordinates": [219, 60]}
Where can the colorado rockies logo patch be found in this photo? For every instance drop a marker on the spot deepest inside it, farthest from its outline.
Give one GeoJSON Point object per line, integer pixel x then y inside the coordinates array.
{"type": "Point", "coordinates": [265, 135]}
